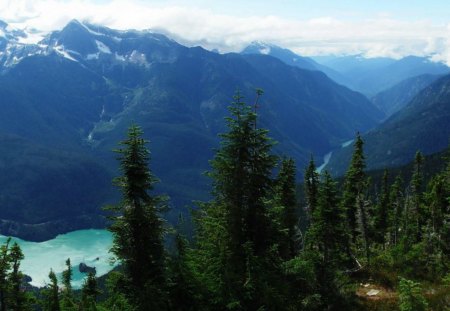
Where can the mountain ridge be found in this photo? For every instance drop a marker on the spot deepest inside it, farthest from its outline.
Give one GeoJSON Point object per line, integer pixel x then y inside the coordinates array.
{"type": "Point", "coordinates": [88, 83]}
{"type": "Point", "coordinates": [422, 125]}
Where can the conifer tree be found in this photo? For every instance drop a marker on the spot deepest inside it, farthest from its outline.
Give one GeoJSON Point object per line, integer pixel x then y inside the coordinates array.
{"type": "Point", "coordinates": [51, 294]}
{"type": "Point", "coordinates": [311, 185]}
{"type": "Point", "coordinates": [410, 296]}
{"type": "Point", "coordinates": [18, 299]}
{"type": "Point", "coordinates": [89, 293]}
{"type": "Point", "coordinates": [234, 231]}
{"type": "Point", "coordinates": [354, 187]}
{"type": "Point", "coordinates": [287, 200]}
{"type": "Point", "coordinates": [328, 228]}
{"type": "Point", "coordinates": [415, 213]}
{"type": "Point", "coordinates": [67, 299]}
{"type": "Point", "coordinates": [437, 201]}
{"type": "Point", "coordinates": [381, 219]}
{"type": "Point", "coordinates": [116, 298]}
{"type": "Point", "coordinates": [182, 284]}
{"type": "Point", "coordinates": [396, 198]}
{"type": "Point", "coordinates": [242, 178]}
{"type": "Point", "coordinates": [137, 227]}
{"type": "Point", "coordinates": [329, 235]}
{"type": "Point", "coordinates": [445, 230]}
{"type": "Point", "coordinates": [5, 265]}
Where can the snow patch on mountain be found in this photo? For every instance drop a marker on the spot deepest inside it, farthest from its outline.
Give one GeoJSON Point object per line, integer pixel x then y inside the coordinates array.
{"type": "Point", "coordinates": [138, 58]}
{"type": "Point", "coordinates": [103, 48]}
{"type": "Point", "coordinates": [61, 51]}
{"type": "Point", "coordinates": [93, 56]}
{"type": "Point", "coordinates": [31, 38]}
{"type": "Point", "coordinates": [265, 50]}
{"type": "Point", "coordinates": [119, 57]}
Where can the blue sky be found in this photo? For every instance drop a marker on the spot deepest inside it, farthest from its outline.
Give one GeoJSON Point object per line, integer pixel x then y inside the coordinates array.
{"type": "Point", "coordinates": [393, 28]}
{"type": "Point", "coordinates": [436, 10]}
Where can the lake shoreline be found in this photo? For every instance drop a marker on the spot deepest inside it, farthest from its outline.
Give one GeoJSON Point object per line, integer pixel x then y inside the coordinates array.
{"type": "Point", "coordinates": [89, 246]}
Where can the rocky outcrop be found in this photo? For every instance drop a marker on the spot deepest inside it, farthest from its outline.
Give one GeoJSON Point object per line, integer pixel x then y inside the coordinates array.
{"type": "Point", "coordinates": [84, 268]}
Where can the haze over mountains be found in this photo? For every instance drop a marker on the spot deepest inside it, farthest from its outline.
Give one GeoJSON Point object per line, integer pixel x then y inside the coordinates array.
{"type": "Point", "coordinates": [422, 125]}
{"type": "Point", "coordinates": [366, 75]}
{"type": "Point", "coordinates": [67, 101]}
{"type": "Point", "coordinates": [398, 96]}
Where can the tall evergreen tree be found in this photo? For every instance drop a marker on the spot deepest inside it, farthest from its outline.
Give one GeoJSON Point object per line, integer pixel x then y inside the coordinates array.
{"type": "Point", "coordinates": [396, 198]}
{"type": "Point", "coordinates": [18, 299]}
{"type": "Point", "coordinates": [329, 223]}
{"type": "Point", "coordinates": [5, 265]}
{"type": "Point", "coordinates": [89, 293]}
{"type": "Point", "coordinates": [137, 227]}
{"type": "Point", "coordinates": [381, 219]}
{"type": "Point", "coordinates": [234, 230]}
{"type": "Point", "coordinates": [311, 186]}
{"type": "Point", "coordinates": [51, 294]}
{"type": "Point", "coordinates": [287, 201]}
{"type": "Point", "coordinates": [354, 187]}
{"type": "Point", "coordinates": [328, 232]}
{"type": "Point", "coordinates": [416, 217]}
{"type": "Point", "coordinates": [67, 299]}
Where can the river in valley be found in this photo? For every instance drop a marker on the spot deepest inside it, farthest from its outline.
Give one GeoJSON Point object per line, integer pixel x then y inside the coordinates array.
{"type": "Point", "coordinates": [327, 157]}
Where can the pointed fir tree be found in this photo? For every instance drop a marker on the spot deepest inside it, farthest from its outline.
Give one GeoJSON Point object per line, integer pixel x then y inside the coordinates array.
{"type": "Point", "coordinates": [89, 293]}
{"type": "Point", "coordinates": [287, 202]}
{"type": "Point", "coordinates": [416, 217]}
{"type": "Point", "coordinates": [5, 265]}
{"type": "Point", "coordinates": [67, 298]}
{"type": "Point", "coordinates": [311, 185]}
{"type": "Point", "coordinates": [445, 229]}
{"type": "Point", "coordinates": [137, 227]}
{"type": "Point", "coordinates": [328, 229]}
{"type": "Point", "coordinates": [18, 298]}
{"type": "Point", "coordinates": [328, 234]}
{"type": "Point", "coordinates": [381, 217]}
{"type": "Point", "coordinates": [234, 231]}
{"type": "Point", "coordinates": [355, 184]}
{"type": "Point", "coordinates": [436, 199]}
{"type": "Point", "coordinates": [396, 199]}
{"type": "Point", "coordinates": [51, 300]}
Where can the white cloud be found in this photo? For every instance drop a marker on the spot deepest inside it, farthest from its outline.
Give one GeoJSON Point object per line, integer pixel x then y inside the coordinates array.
{"type": "Point", "coordinates": [381, 35]}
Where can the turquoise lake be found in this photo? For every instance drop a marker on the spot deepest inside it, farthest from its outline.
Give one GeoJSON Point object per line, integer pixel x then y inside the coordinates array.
{"type": "Point", "coordinates": [88, 246]}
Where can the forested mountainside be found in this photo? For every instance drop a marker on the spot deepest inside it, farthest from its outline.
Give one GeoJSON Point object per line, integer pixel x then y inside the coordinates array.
{"type": "Point", "coordinates": [248, 251]}
{"type": "Point", "coordinates": [395, 98]}
{"type": "Point", "coordinates": [293, 59]}
{"type": "Point", "coordinates": [422, 125]}
{"type": "Point", "coordinates": [73, 95]}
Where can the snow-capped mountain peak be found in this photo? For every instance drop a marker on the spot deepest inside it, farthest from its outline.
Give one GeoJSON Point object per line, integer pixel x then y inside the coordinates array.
{"type": "Point", "coordinates": [86, 43]}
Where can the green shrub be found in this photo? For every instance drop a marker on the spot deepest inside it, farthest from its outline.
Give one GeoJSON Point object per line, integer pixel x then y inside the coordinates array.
{"type": "Point", "coordinates": [410, 296]}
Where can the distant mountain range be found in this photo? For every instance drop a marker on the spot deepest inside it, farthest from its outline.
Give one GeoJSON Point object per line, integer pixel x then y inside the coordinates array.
{"type": "Point", "coordinates": [67, 101]}
{"type": "Point", "coordinates": [423, 124]}
{"type": "Point", "coordinates": [373, 75]}
{"type": "Point", "coordinates": [395, 98]}
{"type": "Point", "coordinates": [366, 75]}
{"type": "Point", "coordinates": [293, 59]}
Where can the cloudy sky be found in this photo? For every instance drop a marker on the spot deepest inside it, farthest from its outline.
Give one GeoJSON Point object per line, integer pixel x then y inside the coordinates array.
{"type": "Point", "coordinates": [393, 28]}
